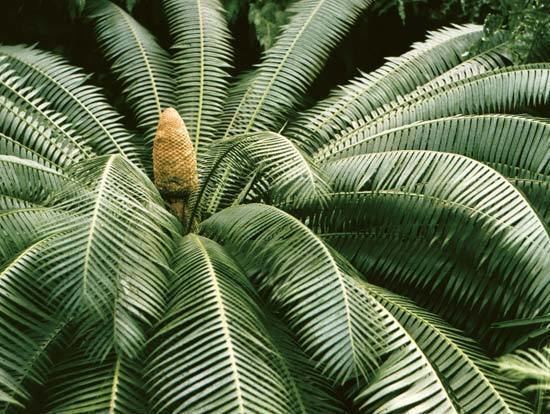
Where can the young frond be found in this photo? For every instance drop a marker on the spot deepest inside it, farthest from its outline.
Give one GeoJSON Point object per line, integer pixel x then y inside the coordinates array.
{"type": "Point", "coordinates": [290, 66]}
{"type": "Point", "coordinates": [266, 163]}
{"type": "Point", "coordinates": [335, 325]}
{"type": "Point", "coordinates": [64, 87]}
{"type": "Point", "coordinates": [138, 61]}
{"type": "Point", "coordinates": [443, 50]}
{"type": "Point", "coordinates": [529, 365]}
{"type": "Point", "coordinates": [212, 351]}
{"type": "Point", "coordinates": [202, 56]}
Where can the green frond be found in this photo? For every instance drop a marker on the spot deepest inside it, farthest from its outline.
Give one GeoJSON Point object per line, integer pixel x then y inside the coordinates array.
{"type": "Point", "coordinates": [28, 119]}
{"type": "Point", "coordinates": [418, 385]}
{"type": "Point", "coordinates": [313, 392]}
{"type": "Point", "coordinates": [442, 50]}
{"type": "Point", "coordinates": [99, 338]}
{"type": "Point", "coordinates": [139, 63]}
{"type": "Point", "coordinates": [64, 87]}
{"type": "Point", "coordinates": [21, 295]}
{"type": "Point", "coordinates": [9, 146]}
{"type": "Point", "coordinates": [289, 67]}
{"type": "Point", "coordinates": [441, 224]}
{"type": "Point", "coordinates": [28, 180]}
{"type": "Point", "coordinates": [212, 352]}
{"type": "Point", "coordinates": [266, 157]}
{"type": "Point", "coordinates": [26, 359]}
{"type": "Point", "coordinates": [494, 91]}
{"type": "Point", "coordinates": [333, 260]}
{"type": "Point", "coordinates": [14, 203]}
{"type": "Point", "coordinates": [476, 65]}
{"type": "Point", "coordinates": [109, 255]}
{"type": "Point", "coordinates": [529, 365]}
{"type": "Point", "coordinates": [335, 325]}
{"type": "Point", "coordinates": [471, 377]}
{"type": "Point", "coordinates": [20, 227]}
{"type": "Point", "coordinates": [28, 332]}
{"type": "Point", "coordinates": [83, 385]}
{"type": "Point", "coordinates": [532, 331]}
{"type": "Point", "coordinates": [516, 146]}
{"type": "Point", "coordinates": [31, 137]}
{"type": "Point", "coordinates": [508, 143]}
{"type": "Point", "coordinates": [201, 60]}
{"type": "Point", "coordinates": [536, 188]}
{"type": "Point", "coordinates": [406, 382]}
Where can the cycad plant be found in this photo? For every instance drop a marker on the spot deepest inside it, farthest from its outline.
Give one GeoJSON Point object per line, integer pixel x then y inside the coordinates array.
{"type": "Point", "coordinates": [354, 256]}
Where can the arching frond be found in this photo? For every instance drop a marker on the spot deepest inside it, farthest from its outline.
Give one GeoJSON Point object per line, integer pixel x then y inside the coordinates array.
{"type": "Point", "coordinates": [25, 358]}
{"type": "Point", "coordinates": [108, 257]}
{"type": "Point", "coordinates": [529, 365]}
{"type": "Point", "coordinates": [441, 51]}
{"type": "Point", "coordinates": [533, 330]}
{"type": "Point", "coordinates": [29, 120]}
{"type": "Point", "coordinates": [9, 146]}
{"type": "Point", "coordinates": [439, 223]}
{"type": "Point", "coordinates": [28, 331]}
{"type": "Point", "coordinates": [337, 327]}
{"type": "Point", "coordinates": [494, 91]}
{"type": "Point", "coordinates": [516, 146]}
{"type": "Point", "coordinates": [505, 142]}
{"type": "Point", "coordinates": [138, 61]}
{"type": "Point", "coordinates": [406, 378]}
{"type": "Point", "coordinates": [212, 352]}
{"type": "Point", "coordinates": [313, 392]}
{"type": "Point", "coordinates": [14, 203]}
{"type": "Point", "coordinates": [28, 180]}
{"type": "Point", "coordinates": [202, 57]}
{"type": "Point", "coordinates": [63, 87]}
{"type": "Point", "coordinates": [86, 386]}
{"type": "Point", "coordinates": [232, 163]}
{"type": "Point", "coordinates": [536, 188]}
{"type": "Point", "coordinates": [424, 392]}
{"type": "Point", "coordinates": [487, 61]}
{"type": "Point", "coordinates": [471, 378]}
{"type": "Point", "coordinates": [289, 67]}
{"type": "Point", "coordinates": [428, 177]}
{"type": "Point", "coordinates": [21, 294]}
{"type": "Point", "coordinates": [20, 227]}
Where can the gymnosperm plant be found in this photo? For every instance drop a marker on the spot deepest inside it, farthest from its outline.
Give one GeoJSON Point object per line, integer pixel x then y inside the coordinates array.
{"type": "Point", "coordinates": [238, 252]}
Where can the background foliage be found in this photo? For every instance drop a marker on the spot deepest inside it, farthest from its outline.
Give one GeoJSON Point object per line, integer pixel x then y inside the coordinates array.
{"type": "Point", "coordinates": [255, 23]}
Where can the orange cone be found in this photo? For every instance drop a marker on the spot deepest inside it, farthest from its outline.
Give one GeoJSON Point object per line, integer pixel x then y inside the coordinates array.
{"type": "Point", "coordinates": [174, 161]}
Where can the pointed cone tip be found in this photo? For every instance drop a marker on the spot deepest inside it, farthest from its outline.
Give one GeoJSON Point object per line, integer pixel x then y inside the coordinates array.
{"type": "Point", "coordinates": [170, 116]}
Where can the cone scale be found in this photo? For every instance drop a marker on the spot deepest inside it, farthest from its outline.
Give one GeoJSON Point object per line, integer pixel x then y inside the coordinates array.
{"type": "Point", "coordinates": [174, 162]}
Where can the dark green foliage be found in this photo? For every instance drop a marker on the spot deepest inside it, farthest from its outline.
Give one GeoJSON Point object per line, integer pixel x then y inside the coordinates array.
{"type": "Point", "coordinates": [379, 252]}
{"type": "Point", "coordinates": [525, 24]}
{"type": "Point", "coordinates": [267, 17]}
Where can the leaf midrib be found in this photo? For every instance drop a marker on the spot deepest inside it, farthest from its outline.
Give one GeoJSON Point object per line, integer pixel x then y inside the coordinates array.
{"type": "Point", "coordinates": [93, 223]}
{"type": "Point", "coordinates": [223, 320]}
{"type": "Point", "coordinates": [349, 99]}
{"type": "Point", "coordinates": [144, 56]}
{"type": "Point", "coordinates": [413, 100]}
{"type": "Point", "coordinates": [442, 201]}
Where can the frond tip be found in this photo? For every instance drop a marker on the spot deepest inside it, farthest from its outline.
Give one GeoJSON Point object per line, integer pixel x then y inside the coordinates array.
{"type": "Point", "coordinates": [174, 160]}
